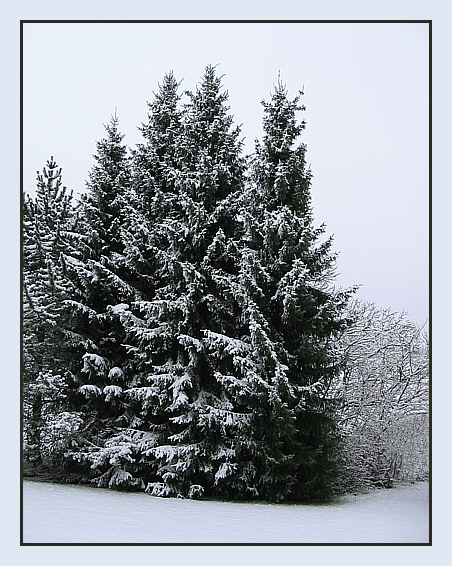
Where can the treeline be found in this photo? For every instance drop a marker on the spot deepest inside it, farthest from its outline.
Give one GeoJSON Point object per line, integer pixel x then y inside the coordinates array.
{"type": "Point", "coordinates": [181, 329]}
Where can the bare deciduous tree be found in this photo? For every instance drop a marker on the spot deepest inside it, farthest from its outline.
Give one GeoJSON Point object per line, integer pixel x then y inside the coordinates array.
{"type": "Point", "coordinates": [383, 392]}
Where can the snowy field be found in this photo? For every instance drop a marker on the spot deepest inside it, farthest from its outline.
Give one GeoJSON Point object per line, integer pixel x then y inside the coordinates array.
{"type": "Point", "coordinates": [76, 514]}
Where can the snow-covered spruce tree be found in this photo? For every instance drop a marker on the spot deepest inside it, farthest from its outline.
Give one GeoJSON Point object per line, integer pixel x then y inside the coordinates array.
{"type": "Point", "coordinates": [45, 219]}
{"type": "Point", "coordinates": [47, 339]}
{"type": "Point", "coordinates": [255, 453]}
{"type": "Point", "coordinates": [179, 398]}
{"type": "Point", "coordinates": [147, 198]}
{"type": "Point", "coordinates": [101, 277]}
{"type": "Point", "coordinates": [290, 272]}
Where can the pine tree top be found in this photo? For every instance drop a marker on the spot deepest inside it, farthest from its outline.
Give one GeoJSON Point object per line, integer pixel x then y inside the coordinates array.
{"type": "Point", "coordinates": [163, 113]}
{"type": "Point", "coordinates": [280, 123]}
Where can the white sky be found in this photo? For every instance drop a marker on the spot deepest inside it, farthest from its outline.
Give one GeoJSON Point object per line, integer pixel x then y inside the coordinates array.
{"type": "Point", "coordinates": [366, 92]}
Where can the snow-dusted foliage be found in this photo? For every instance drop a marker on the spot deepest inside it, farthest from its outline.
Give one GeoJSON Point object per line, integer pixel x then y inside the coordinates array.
{"type": "Point", "coordinates": [48, 340]}
{"type": "Point", "coordinates": [47, 221]}
{"type": "Point", "coordinates": [49, 429]}
{"type": "Point", "coordinates": [186, 307]}
{"type": "Point", "coordinates": [295, 312]}
{"type": "Point", "coordinates": [188, 168]}
{"type": "Point", "coordinates": [384, 395]}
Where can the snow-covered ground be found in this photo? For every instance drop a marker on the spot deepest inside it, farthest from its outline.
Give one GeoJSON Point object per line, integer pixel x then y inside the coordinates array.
{"type": "Point", "coordinates": [76, 514]}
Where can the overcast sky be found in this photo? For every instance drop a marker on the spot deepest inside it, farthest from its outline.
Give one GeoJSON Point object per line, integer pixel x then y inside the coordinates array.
{"type": "Point", "coordinates": [366, 93]}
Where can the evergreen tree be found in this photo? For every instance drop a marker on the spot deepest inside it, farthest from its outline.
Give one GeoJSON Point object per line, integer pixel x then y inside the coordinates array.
{"type": "Point", "coordinates": [97, 266]}
{"type": "Point", "coordinates": [46, 219]}
{"type": "Point", "coordinates": [47, 339]}
{"type": "Point", "coordinates": [145, 202]}
{"type": "Point", "coordinates": [175, 387]}
{"type": "Point", "coordinates": [101, 278]}
{"type": "Point", "coordinates": [294, 291]}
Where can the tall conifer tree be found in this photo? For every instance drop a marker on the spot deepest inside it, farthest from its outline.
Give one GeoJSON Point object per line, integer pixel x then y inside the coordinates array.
{"type": "Point", "coordinates": [296, 293]}
{"type": "Point", "coordinates": [179, 393]}
{"type": "Point", "coordinates": [47, 219]}
{"type": "Point", "coordinates": [147, 204]}
{"type": "Point", "coordinates": [101, 279]}
{"type": "Point", "coordinates": [47, 338]}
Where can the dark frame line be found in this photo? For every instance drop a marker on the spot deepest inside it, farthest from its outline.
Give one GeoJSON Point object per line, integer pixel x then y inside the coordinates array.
{"type": "Point", "coordinates": [21, 176]}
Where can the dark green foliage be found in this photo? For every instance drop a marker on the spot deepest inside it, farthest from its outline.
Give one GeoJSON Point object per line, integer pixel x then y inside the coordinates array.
{"type": "Point", "coordinates": [202, 299]}
{"type": "Point", "coordinates": [47, 337]}
{"type": "Point", "coordinates": [174, 388]}
{"type": "Point", "coordinates": [296, 295]}
{"type": "Point", "coordinates": [46, 220]}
